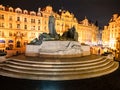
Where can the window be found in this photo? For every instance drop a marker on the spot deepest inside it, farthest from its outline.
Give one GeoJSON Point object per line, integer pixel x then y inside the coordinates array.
{"type": "Point", "coordinates": [2, 17]}
{"type": "Point", "coordinates": [1, 8]}
{"type": "Point", "coordinates": [45, 28]}
{"type": "Point", "coordinates": [10, 9]}
{"type": "Point", "coordinates": [32, 20]}
{"type": "Point", "coordinates": [33, 13]}
{"type": "Point", "coordinates": [1, 33]}
{"type": "Point", "coordinates": [25, 19]}
{"type": "Point", "coordinates": [18, 18]}
{"type": "Point", "coordinates": [45, 22]}
{"type": "Point", "coordinates": [32, 27]}
{"type": "Point", "coordinates": [10, 25]}
{"type": "Point", "coordinates": [10, 33]}
{"type": "Point", "coordinates": [10, 18]}
{"type": "Point", "coordinates": [38, 27]}
{"type": "Point", "coordinates": [18, 10]}
{"type": "Point", "coordinates": [25, 27]}
{"type": "Point", "coordinates": [32, 35]}
{"type": "Point", "coordinates": [25, 12]}
{"type": "Point", "coordinates": [1, 24]}
{"type": "Point", "coordinates": [18, 26]}
{"type": "Point", "coordinates": [38, 21]}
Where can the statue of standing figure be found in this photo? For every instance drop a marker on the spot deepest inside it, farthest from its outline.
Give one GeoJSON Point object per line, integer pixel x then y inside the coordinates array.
{"type": "Point", "coordinates": [51, 26]}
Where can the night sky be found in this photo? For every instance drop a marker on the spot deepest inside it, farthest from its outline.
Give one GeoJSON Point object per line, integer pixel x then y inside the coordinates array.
{"type": "Point", "coordinates": [94, 10]}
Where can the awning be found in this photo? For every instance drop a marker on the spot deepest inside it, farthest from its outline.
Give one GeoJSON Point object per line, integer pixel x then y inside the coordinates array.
{"type": "Point", "coordinates": [10, 41]}
{"type": "Point", "coordinates": [2, 41]}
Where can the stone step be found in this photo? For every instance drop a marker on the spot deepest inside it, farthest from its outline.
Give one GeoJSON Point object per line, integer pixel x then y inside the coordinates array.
{"type": "Point", "coordinates": [55, 67]}
{"type": "Point", "coordinates": [56, 71]}
{"type": "Point", "coordinates": [37, 65]}
{"type": "Point", "coordinates": [88, 74]}
{"type": "Point", "coordinates": [57, 61]}
{"type": "Point", "coordinates": [32, 64]}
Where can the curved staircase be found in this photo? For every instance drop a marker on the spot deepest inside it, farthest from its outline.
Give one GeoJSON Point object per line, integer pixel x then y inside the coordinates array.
{"type": "Point", "coordinates": [57, 69]}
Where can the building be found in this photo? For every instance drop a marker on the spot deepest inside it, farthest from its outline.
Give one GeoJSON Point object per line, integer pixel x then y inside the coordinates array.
{"type": "Point", "coordinates": [18, 27]}
{"type": "Point", "coordinates": [88, 32]}
{"type": "Point", "coordinates": [111, 33]}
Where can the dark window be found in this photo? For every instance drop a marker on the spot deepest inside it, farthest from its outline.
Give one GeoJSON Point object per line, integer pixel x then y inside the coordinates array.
{"type": "Point", "coordinates": [18, 18]}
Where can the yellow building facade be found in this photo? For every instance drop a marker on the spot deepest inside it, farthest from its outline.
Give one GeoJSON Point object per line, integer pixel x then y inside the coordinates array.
{"type": "Point", "coordinates": [18, 27]}
{"type": "Point", "coordinates": [87, 32]}
{"type": "Point", "coordinates": [111, 32]}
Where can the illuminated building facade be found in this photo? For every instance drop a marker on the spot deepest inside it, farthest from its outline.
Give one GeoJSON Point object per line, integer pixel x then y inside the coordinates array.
{"type": "Point", "coordinates": [88, 32]}
{"type": "Point", "coordinates": [111, 32]}
{"type": "Point", "coordinates": [18, 27]}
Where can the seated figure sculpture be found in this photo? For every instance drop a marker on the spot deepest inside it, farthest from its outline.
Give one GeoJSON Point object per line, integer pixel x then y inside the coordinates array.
{"type": "Point", "coordinates": [71, 34]}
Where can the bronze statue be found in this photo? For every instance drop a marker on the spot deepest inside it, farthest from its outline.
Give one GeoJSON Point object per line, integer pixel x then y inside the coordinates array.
{"type": "Point", "coordinates": [70, 34]}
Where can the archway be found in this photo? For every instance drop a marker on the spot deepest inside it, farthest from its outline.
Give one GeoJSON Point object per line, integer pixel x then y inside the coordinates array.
{"type": "Point", "coordinates": [18, 44]}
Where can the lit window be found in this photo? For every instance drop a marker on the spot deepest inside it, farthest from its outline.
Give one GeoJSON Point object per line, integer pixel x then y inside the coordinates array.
{"type": "Point", "coordinates": [25, 12]}
{"type": "Point", "coordinates": [18, 10]}
{"type": "Point", "coordinates": [32, 20]}
{"type": "Point", "coordinates": [10, 9]}
{"type": "Point", "coordinates": [1, 8]}
{"type": "Point", "coordinates": [1, 24]}
{"type": "Point", "coordinates": [2, 17]}
{"type": "Point", "coordinates": [32, 27]}
{"type": "Point", "coordinates": [10, 18]}
{"type": "Point", "coordinates": [25, 27]}
{"type": "Point", "coordinates": [10, 25]}
{"type": "Point", "coordinates": [38, 27]}
{"type": "Point", "coordinates": [25, 19]}
{"type": "Point", "coordinates": [38, 21]}
{"type": "Point", "coordinates": [18, 26]}
{"type": "Point", "coordinates": [18, 18]}
{"type": "Point", "coordinates": [10, 33]}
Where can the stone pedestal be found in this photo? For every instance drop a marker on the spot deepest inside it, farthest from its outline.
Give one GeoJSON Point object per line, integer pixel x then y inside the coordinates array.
{"type": "Point", "coordinates": [58, 49]}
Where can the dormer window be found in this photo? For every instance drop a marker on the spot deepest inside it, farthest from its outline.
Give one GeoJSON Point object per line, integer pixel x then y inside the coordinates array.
{"type": "Point", "coordinates": [25, 12]}
{"type": "Point", "coordinates": [33, 13]}
{"type": "Point", "coordinates": [18, 10]}
{"type": "Point", "coordinates": [2, 7]}
{"type": "Point", "coordinates": [10, 9]}
{"type": "Point", "coordinates": [38, 14]}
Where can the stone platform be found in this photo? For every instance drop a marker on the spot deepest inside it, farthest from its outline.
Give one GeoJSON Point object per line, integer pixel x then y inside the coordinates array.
{"type": "Point", "coordinates": [65, 49]}
{"type": "Point", "coordinates": [36, 68]}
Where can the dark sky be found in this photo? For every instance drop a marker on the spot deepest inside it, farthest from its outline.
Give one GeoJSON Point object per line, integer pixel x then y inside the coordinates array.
{"type": "Point", "coordinates": [94, 10]}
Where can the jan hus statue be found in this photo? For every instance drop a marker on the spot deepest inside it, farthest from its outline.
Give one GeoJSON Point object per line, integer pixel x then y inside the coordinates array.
{"type": "Point", "coordinates": [70, 34]}
{"type": "Point", "coordinates": [51, 26]}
